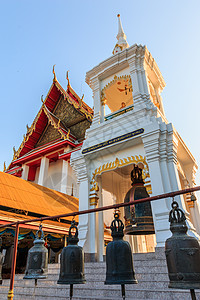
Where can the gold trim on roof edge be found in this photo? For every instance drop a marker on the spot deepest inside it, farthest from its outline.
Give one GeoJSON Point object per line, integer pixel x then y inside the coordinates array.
{"type": "Point", "coordinates": [118, 163]}
{"type": "Point", "coordinates": [26, 137]}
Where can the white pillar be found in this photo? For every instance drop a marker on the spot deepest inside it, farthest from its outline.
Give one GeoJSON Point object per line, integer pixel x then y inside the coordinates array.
{"type": "Point", "coordinates": [160, 209]}
{"type": "Point", "coordinates": [87, 222]}
{"type": "Point", "coordinates": [174, 177]}
{"type": "Point", "coordinates": [83, 219]}
{"type": "Point", "coordinates": [97, 101]}
{"type": "Point", "coordinates": [172, 146]}
{"type": "Point", "coordinates": [44, 165]}
{"type": "Point", "coordinates": [92, 235]}
{"type": "Point", "coordinates": [64, 178]}
{"type": "Point", "coordinates": [102, 111]}
{"type": "Point", "coordinates": [25, 172]}
{"type": "Point", "coordinates": [100, 233]}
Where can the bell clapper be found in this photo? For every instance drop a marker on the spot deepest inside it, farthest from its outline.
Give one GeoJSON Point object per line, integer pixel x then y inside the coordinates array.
{"type": "Point", "coordinates": [193, 296]}
{"type": "Point", "coordinates": [71, 292]}
{"type": "Point", "coordinates": [123, 291]}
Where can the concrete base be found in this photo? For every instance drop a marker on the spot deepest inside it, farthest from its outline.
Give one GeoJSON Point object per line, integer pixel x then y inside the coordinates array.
{"type": "Point", "coordinates": [90, 257]}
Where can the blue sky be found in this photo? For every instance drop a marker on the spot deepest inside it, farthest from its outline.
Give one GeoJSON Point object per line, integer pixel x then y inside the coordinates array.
{"type": "Point", "coordinates": [76, 36]}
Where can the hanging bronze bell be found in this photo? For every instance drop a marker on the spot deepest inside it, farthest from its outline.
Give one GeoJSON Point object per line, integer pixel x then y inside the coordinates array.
{"type": "Point", "coordinates": [138, 217]}
{"type": "Point", "coordinates": [37, 261]}
{"type": "Point", "coordinates": [182, 253]}
{"type": "Point", "coordinates": [119, 258]}
{"type": "Point", "coordinates": [72, 261]}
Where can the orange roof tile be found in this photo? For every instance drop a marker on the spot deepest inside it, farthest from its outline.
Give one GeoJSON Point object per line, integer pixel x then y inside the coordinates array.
{"type": "Point", "coordinates": [21, 194]}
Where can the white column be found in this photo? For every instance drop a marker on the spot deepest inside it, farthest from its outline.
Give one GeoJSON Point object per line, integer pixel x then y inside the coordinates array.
{"type": "Point", "coordinates": [138, 99]}
{"type": "Point", "coordinates": [100, 233]}
{"type": "Point", "coordinates": [97, 101]}
{"type": "Point", "coordinates": [163, 150]}
{"type": "Point", "coordinates": [64, 178]}
{"type": "Point", "coordinates": [92, 235]}
{"type": "Point", "coordinates": [25, 172]}
{"type": "Point", "coordinates": [83, 219]}
{"type": "Point", "coordinates": [145, 82]}
{"type": "Point", "coordinates": [44, 165]}
{"type": "Point", "coordinates": [87, 223]}
{"type": "Point", "coordinates": [160, 209]}
{"type": "Point", "coordinates": [102, 111]}
{"type": "Point", "coordinates": [93, 225]}
{"type": "Point", "coordinates": [174, 177]}
{"type": "Point", "coordinates": [172, 146]}
{"type": "Point", "coordinates": [134, 76]}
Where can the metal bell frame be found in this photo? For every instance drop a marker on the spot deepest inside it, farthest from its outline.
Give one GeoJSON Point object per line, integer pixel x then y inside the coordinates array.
{"type": "Point", "coordinates": [182, 254]}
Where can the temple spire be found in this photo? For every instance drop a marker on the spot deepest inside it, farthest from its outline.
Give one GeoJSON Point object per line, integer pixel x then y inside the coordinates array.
{"type": "Point", "coordinates": [121, 37]}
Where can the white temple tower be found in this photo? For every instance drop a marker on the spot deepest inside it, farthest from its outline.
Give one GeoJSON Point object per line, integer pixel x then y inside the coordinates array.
{"type": "Point", "coordinates": [129, 85]}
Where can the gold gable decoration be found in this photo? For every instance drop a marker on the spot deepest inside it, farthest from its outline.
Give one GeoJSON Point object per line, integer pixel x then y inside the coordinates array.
{"type": "Point", "coordinates": [56, 125]}
{"type": "Point", "coordinates": [118, 163]}
{"type": "Point", "coordinates": [116, 78]}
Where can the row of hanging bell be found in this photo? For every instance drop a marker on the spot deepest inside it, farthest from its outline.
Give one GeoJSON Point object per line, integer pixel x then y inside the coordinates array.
{"type": "Point", "coordinates": [119, 259]}
{"type": "Point", "coordinates": [182, 254]}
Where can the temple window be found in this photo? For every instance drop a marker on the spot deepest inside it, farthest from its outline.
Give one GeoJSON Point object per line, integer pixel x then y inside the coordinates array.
{"type": "Point", "coordinates": [117, 97]}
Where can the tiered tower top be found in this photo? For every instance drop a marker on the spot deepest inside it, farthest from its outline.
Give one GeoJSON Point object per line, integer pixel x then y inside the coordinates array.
{"type": "Point", "coordinates": [121, 37]}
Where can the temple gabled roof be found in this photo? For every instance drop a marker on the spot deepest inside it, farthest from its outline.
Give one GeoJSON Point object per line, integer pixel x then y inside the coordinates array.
{"type": "Point", "coordinates": [63, 110]}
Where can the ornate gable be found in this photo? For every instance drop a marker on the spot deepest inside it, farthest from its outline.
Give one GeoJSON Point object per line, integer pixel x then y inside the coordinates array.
{"type": "Point", "coordinates": [63, 116]}
{"type": "Point", "coordinates": [50, 134]}
{"type": "Point", "coordinates": [71, 118]}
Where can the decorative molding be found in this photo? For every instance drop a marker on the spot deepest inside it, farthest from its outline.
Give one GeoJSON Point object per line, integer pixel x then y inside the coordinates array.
{"type": "Point", "coordinates": [94, 200]}
{"type": "Point", "coordinates": [114, 140]}
{"type": "Point", "coordinates": [118, 113]}
{"type": "Point", "coordinates": [119, 163]}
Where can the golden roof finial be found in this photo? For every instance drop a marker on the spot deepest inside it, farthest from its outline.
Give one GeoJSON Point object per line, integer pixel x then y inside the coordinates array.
{"type": "Point", "coordinates": [14, 152]}
{"type": "Point", "coordinates": [67, 77]}
{"type": "Point", "coordinates": [42, 100]}
{"type": "Point", "coordinates": [54, 73]}
{"type": "Point", "coordinates": [4, 166]}
{"type": "Point", "coordinates": [27, 127]}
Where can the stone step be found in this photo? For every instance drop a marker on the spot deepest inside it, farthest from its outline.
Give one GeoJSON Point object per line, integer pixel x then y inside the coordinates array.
{"type": "Point", "coordinates": [150, 269]}
{"type": "Point", "coordinates": [63, 293]}
{"type": "Point", "coordinates": [141, 277]}
{"type": "Point", "coordinates": [102, 269]}
{"type": "Point", "coordinates": [142, 262]}
{"type": "Point", "coordinates": [91, 284]}
{"type": "Point", "coordinates": [100, 265]}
